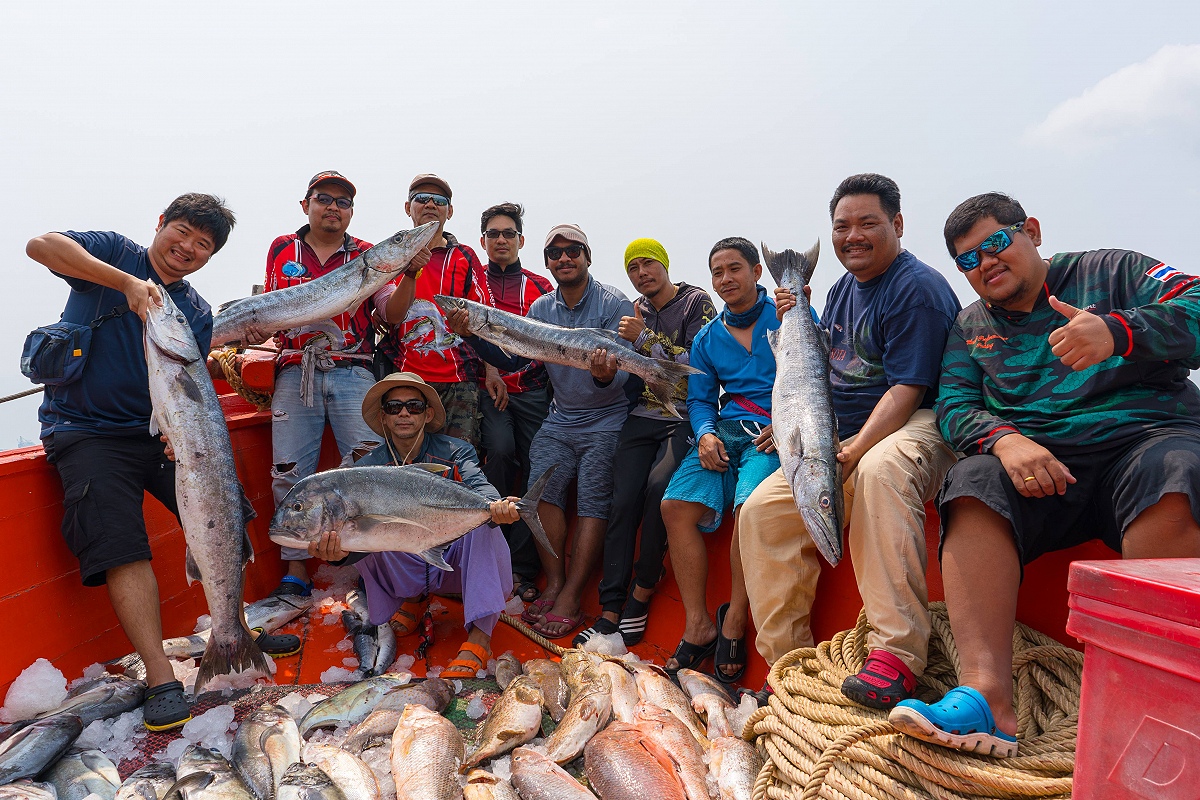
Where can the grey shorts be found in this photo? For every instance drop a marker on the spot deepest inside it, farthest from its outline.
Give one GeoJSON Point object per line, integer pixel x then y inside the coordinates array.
{"type": "Point", "coordinates": [587, 457]}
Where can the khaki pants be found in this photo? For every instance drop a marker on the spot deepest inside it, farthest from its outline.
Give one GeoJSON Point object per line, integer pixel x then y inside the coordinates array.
{"type": "Point", "coordinates": [885, 508]}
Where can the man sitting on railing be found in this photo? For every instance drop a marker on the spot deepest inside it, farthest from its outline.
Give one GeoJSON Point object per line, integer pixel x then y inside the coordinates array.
{"type": "Point", "coordinates": [1067, 386]}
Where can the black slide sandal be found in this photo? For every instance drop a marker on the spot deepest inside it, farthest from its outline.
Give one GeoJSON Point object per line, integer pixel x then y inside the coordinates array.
{"type": "Point", "coordinates": [690, 656]}
{"type": "Point", "coordinates": [729, 652]}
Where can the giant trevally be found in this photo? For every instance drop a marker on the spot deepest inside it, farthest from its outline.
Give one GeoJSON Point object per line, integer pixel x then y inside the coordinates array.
{"type": "Point", "coordinates": [406, 509]}
{"type": "Point", "coordinates": [108, 696]}
{"type": "Point", "coordinates": [26, 753]}
{"type": "Point", "coordinates": [205, 775]}
{"type": "Point", "coordinates": [207, 491]}
{"type": "Point", "coordinates": [572, 347]}
{"type": "Point", "coordinates": [83, 773]}
{"type": "Point", "coordinates": [802, 419]}
{"type": "Point", "coordinates": [343, 289]}
{"type": "Point", "coordinates": [266, 744]}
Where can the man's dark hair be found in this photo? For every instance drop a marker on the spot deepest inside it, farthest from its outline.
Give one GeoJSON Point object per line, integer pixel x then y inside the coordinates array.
{"type": "Point", "coordinates": [996, 205]}
{"type": "Point", "coordinates": [881, 186]}
{"type": "Point", "coordinates": [743, 246]}
{"type": "Point", "coordinates": [513, 211]}
{"type": "Point", "coordinates": [205, 212]}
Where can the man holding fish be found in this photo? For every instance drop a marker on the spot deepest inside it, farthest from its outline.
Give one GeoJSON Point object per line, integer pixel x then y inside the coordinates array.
{"type": "Point", "coordinates": [887, 319]}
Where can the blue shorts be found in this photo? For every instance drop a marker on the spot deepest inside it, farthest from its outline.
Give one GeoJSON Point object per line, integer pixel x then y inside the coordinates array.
{"type": "Point", "coordinates": [586, 458]}
{"type": "Point", "coordinates": [718, 490]}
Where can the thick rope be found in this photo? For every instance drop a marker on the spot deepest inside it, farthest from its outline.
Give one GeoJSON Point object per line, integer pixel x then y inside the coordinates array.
{"type": "Point", "coordinates": [25, 393]}
{"type": "Point", "coordinates": [227, 358]}
{"type": "Point", "coordinates": [819, 744]}
{"type": "Point", "coordinates": [533, 635]}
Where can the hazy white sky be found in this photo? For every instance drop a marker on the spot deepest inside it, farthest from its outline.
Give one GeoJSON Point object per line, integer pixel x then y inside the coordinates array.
{"type": "Point", "coordinates": [687, 122]}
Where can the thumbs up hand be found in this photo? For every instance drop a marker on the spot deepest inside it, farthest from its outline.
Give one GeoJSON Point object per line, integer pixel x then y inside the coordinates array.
{"type": "Point", "coordinates": [631, 327]}
{"type": "Point", "coordinates": [1084, 341]}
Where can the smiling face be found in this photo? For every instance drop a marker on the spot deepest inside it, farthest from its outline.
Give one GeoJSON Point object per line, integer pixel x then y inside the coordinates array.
{"type": "Point", "coordinates": [648, 276]}
{"type": "Point", "coordinates": [502, 250]}
{"type": "Point", "coordinates": [734, 279]}
{"type": "Point", "coordinates": [179, 249]}
{"type": "Point", "coordinates": [865, 239]}
{"type": "Point", "coordinates": [1012, 278]}
{"type": "Point", "coordinates": [329, 218]}
{"type": "Point", "coordinates": [569, 272]}
{"type": "Point", "coordinates": [429, 211]}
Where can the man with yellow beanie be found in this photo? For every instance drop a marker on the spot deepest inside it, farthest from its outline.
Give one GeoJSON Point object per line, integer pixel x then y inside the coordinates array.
{"type": "Point", "coordinates": [652, 443]}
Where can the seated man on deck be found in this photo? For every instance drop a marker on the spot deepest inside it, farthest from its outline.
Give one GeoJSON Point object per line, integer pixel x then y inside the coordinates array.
{"type": "Point", "coordinates": [733, 454]}
{"type": "Point", "coordinates": [887, 319]}
{"type": "Point", "coordinates": [407, 413]}
{"type": "Point", "coordinates": [1067, 386]}
{"type": "Point", "coordinates": [96, 429]}
{"type": "Point", "coordinates": [579, 435]}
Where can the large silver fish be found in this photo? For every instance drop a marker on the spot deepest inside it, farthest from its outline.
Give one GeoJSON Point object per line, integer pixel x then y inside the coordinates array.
{"type": "Point", "coordinates": [572, 347]}
{"type": "Point", "coordinates": [151, 782]}
{"type": "Point", "coordinates": [207, 491]}
{"type": "Point", "coordinates": [27, 752]}
{"type": "Point", "coordinates": [352, 704]}
{"type": "Point", "coordinates": [343, 289]}
{"type": "Point", "coordinates": [407, 509]}
{"type": "Point", "coordinates": [374, 645]}
{"type": "Point", "coordinates": [433, 693]}
{"type": "Point", "coordinates": [82, 773]}
{"type": "Point", "coordinates": [347, 771]}
{"type": "Point", "coordinates": [205, 775]}
{"type": "Point", "coordinates": [308, 782]}
{"type": "Point", "coordinates": [802, 418]}
{"type": "Point", "coordinates": [26, 789]}
{"type": "Point", "coordinates": [266, 744]}
{"type": "Point", "coordinates": [108, 696]}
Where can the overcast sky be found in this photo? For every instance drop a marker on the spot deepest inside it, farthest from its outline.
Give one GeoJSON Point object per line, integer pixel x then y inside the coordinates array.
{"type": "Point", "coordinates": [686, 122]}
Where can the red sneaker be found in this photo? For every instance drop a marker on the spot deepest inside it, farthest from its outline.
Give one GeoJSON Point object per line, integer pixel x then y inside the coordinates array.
{"type": "Point", "coordinates": [882, 682]}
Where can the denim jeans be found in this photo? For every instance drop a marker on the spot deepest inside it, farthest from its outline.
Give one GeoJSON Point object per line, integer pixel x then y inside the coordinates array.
{"type": "Point", "coordinates": [296, 430]}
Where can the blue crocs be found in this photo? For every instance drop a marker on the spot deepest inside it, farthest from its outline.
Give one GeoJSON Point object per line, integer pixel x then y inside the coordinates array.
{"type": "Point", "coordinates": [961, 720]}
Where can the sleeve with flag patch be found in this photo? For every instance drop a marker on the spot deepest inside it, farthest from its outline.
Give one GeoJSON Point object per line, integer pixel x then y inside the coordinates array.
{"type": "Point", "coordinates": [1157, 318]}
{"type": "Point", "coordinates": [962, 417]}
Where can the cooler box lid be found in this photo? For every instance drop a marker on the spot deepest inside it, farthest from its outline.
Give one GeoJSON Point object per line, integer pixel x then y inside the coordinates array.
{"type": "Point", "coordinates": [1166, 588]}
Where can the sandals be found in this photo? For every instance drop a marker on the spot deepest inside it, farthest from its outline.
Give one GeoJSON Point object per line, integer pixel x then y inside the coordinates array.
{"type": "Point", "coordinates": [536, 610]}
{"type": "Point", "coordinates": [961, 720]}
{"type": "Point", "coordinates": [554, 619]}
{"type": "Point", "coordinates": [166, 707]}
{"type": "Point", "coordinates": [412, 610]}
{"type": "Point", "coordinates": [601, 627]}
{"type": "Point", "coordinates": [291, 586]}
{"type": "Point", "coordinates": [277, 645]}
{"type": "Point", "coordinates": [464, 668]}
{"type": "Point", "coordinates": [883, 681]}
{"type": "Point", "coordinates": [525, 589]}
{"type": "Point", "coordinates": [634, 617]}
{"type": "Point", "coordinates": [729, 652]}
{"type": "Point", "coordinates": [690, 656]}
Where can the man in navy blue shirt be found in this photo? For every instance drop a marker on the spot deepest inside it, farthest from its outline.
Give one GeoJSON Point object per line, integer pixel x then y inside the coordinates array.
{"type": "Point", "coordinates": [96, 430]}
{"type": "Point", "coordinates": [888, 318]}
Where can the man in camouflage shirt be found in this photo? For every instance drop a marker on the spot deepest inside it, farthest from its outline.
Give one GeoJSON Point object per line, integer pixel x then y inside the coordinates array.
{"type": "Point", "coordinates": [1067, 387]}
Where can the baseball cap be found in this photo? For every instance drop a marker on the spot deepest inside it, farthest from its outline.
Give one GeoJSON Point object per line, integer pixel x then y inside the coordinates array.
{"type": "Point", "coordinates": [434, 180]}
{"type": "Point", "coordinates": [330, 175]}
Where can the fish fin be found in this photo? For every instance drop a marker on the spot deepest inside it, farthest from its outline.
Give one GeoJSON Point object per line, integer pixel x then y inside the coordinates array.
{"type": "Point", "coordinates": [228, 304]}
{"type": "Point", "coordinates": [436, 469]}
{"type": "Point", "coordinates": [527, 508]}
{"type": "Point", "coordinates": [225, 656]}
{"type": "Point", "coordinates": [195, 781]}
{"type": "Point", "coordinates": [155, 429]}
{"type": "Point", "coordinates": [247, 546]}
{"type": "Point", "coordinates": [662, 383]}
{"type": "Point", "coordinates": [780, 263]}
{"type": "Point", "coordinates": [606, 333]}
{"type": "Point", "coordinates": [190, 567]}
{"type": "Point", "coordinates": [773, 340]}
{"type": "Point", "coordinates": [436, 557]}
{"type": "Point", "coordinates": [187, 384]}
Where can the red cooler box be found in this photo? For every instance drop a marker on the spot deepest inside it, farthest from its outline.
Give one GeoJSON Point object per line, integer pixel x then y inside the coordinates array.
{"type": "Point", "coordinates": [1139, 714]}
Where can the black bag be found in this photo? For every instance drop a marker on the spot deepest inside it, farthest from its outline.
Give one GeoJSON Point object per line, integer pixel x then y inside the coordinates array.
{"type": "Point", "coordinates": [56, 354]}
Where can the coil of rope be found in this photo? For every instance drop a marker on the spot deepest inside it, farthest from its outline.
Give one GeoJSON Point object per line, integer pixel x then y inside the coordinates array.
{"type": "Point", "coordinates": [820, 744]}
{"type": "Point", "coordinates": [227, 358]}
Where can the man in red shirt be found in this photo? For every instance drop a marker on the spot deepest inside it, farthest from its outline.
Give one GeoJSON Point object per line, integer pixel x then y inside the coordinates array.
{"type": "Point", "coordinates": [323, 371]}
{"type": "Point", "coordinates": [422, 343]}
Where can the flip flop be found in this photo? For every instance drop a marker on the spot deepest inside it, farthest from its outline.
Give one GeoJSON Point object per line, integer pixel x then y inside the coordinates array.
{"type": "Point", "coordinates": [166, 707]}
{"type": "Point", "coordinates": [729, 652]}
{"type": "Point", "coordinates": [690, 656]}
{"type": "Point", "coordinates": [960, 720]}
{"type": "Point", "coordinates": [555, 619]}
{"type": "Point", "coordinates": [465, 668]}
{"type": "Point", "coordinates": [412, 610]}
{"type": "Point", "coordinates": [537, 610]}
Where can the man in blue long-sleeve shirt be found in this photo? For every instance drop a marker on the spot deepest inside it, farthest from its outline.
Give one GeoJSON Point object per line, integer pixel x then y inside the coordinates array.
{"type": "Point", "coordinates": [733, 453]}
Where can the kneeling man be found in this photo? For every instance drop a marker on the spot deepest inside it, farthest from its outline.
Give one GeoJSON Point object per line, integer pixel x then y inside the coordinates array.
{"type": "Point", "coordinates": [1067, 386]}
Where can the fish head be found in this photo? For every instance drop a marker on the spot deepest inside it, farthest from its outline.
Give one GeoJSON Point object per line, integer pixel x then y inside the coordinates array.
{"type": "Point", "coordinates": [308, 510]}
{"type": "Point", "coordinates": [394, 252]}
{"type": "Point", "coordinates": [168, 332]}
{"type": "Point", "coordinates": [818, 493]}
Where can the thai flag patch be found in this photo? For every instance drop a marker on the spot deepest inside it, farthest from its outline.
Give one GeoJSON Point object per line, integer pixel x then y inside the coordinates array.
{"type": "Point", "coordinates": [1162, 272]}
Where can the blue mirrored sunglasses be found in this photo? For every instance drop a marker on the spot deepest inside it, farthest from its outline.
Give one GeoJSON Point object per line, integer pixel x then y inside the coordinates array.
{"type": "Point", "coordinates": [425, 197]}
{"type": "Point", "coordinates": [997, 242]}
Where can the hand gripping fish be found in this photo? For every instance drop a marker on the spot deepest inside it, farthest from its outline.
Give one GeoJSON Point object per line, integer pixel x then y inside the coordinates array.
{"type": "Point", "coordinates": [572, 347]}
{"type": "Point", "coordinates": [804, 425]}
{"type": "Point", "coordinates": [343, 289]}
{"type": "Point", "coordinates": [186, 409]}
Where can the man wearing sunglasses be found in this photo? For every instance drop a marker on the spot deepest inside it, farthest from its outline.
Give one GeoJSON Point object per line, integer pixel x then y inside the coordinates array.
{"type": "Point", "coordinates": [1067, 387]}
{"type": "Point", "coordinates": [407, 414]}
{"type": "Point", "coordinates": [887, 317]}
{"type": "Point", "coordinates": [453, 269]}
{"type": "Point", "coordinates": [323, 371]}
{"type": "Point", "coordinates": [516, 403]}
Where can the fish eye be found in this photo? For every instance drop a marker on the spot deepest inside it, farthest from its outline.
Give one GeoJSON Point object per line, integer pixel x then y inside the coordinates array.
{"type": "Point", "coordinates": [297, 506]}
{"type": "Point", "coordinates": [181, 318]}
{"type": "Point", "coordinates": [824, 502]}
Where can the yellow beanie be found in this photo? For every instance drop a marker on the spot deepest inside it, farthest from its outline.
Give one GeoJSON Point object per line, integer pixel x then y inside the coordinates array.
{"type": "Point", "coordinates": [647, 248]}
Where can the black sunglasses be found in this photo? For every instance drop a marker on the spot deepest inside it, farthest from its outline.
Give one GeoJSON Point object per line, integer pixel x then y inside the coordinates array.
{"type": "Point", "coordinates": [425, 197]}
{"type": "Point", "coordinates": [507, 233]}
{"type": "Point", "coordinates": [555, 253]}
{"type": "Point", "coordinates": [413, 407]}
{"type": "Point", "coordinates": [328, 199]}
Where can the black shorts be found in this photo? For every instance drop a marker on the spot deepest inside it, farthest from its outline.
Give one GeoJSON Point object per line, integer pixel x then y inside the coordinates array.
{"type": "Point", "coordinates": [1113, 486]}
{"type": "Point", "coordinates": [104, 480]}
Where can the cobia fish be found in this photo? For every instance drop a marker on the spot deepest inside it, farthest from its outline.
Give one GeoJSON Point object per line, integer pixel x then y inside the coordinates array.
{"type": "Point", "coordinates": [343, 289]}
{"type": "Point", "coordinates": [536, 777]}
{"type": "Point", "coordinates": [27, 752]}
{"type": "Point", "coordinates": [408, 509]}
{"type": "Point", "coordinates": [572, 347]}
{"type": "Point", "coordinates": [803, 423]}
{"type": "Point", "coordinates": [80, 774]}
{"type": "Point", "coordinates": [426, 752]}
{"type": "Point", "coordinates": [207, 491]}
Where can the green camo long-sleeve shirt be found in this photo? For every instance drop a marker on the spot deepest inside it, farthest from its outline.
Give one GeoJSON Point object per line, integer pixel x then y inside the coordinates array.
{"type": "Point", "coordinates": [999, 375]}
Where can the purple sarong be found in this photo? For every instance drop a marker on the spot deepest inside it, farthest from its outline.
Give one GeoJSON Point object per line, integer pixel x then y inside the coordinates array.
{"type": "Point", "coordinates": [481, 561]}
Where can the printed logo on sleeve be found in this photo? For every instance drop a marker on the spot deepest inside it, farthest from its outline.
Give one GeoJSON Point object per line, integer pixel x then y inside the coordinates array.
{"type": "Point", "coordinates": [1161, 272]}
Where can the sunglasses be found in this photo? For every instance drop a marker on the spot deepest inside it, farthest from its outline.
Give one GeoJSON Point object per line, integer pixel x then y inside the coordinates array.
{"type": "Point", "coordinates": [328, 199]}
{"type": "Point", "coordinates": [507, 233]}
{"type": "Point", "coordinates": [555, 253]}
{"type": "Point", "coordinates": [996, 243]}
{"type": "Point", "coordinates": [427, 197]}
{"type": "Point", "coordinates": [413, 407]}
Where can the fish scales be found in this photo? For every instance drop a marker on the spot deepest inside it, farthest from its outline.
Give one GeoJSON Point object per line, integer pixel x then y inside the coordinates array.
{"type": "Point", "coordinates": [536, 777]}
{"type": "Point", "coordinates": [426, 753]}
{"type": "Point", "coordinates": [802, 417]}
{"type": "Point", "coordinates": [28, 751]}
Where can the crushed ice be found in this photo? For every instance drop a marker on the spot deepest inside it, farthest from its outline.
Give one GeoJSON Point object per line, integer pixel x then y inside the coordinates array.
{"type": "Point", "coordinates": [40, 687]}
